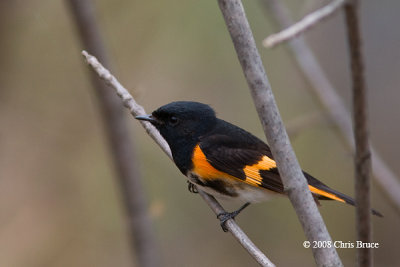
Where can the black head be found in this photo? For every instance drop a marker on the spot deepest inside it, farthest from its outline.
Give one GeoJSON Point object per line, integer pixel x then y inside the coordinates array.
{"type": "Point", "coordinates": [182, 121]}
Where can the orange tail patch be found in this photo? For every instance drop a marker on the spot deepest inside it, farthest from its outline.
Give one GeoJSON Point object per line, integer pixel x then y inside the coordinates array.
{"type": "Point", "coordinates": [325, 194]}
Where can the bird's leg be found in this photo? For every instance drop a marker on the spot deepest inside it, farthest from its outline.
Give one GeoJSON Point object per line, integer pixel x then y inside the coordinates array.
{"type": "Point", "coordinates": [224, 216]}
{"type": "Point", "coordinates": [192, 188]}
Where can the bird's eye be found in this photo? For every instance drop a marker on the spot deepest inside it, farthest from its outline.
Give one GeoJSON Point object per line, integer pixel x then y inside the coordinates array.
{"type": "Point", "coordinates": [173, 120]}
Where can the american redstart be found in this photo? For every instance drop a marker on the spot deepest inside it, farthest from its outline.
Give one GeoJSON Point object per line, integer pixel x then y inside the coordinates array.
{"type": "Point", "coordinates": [223, 159]}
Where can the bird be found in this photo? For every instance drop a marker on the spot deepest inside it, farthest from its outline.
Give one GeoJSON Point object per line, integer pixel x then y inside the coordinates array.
{"type": "Point", "coordinates": [225, 160]}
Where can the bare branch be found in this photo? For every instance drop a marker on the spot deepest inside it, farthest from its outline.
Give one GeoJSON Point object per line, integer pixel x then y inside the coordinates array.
{"type": "Point", "coordinates": [128, 101]}
{"type": "Point", "coordinates": [237, 232]}
{"type": "Point", "coordinates": [332, 102]}
{"type": "Point", "coordinates": [362, 157]}
{"type": "Point", "coordinates": [289, 169]}
{"type": "Point", "coordinates": [139, 224]}
{"type": "Point", "coordinates": [304, 24]}
{"type": "Point", "coordinates": [137, 110]}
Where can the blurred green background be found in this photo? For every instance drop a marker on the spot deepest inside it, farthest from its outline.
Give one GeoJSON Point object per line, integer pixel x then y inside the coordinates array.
{"type": "Point", "coordinates": [60, 203]}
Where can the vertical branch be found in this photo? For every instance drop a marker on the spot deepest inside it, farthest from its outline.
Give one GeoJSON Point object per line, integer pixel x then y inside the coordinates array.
{"type": "Point", "coordinates": [289, 169]}
{"type": "Point", "coordinates": [121, 145]}
{"type": "Point", "coordinates": [362, 153]}
{"type": "Point", "coordinates": [331, 101]}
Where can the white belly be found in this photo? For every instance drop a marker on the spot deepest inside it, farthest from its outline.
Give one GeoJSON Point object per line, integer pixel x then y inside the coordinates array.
{"type": "Point", "coordinates": [243, 192]}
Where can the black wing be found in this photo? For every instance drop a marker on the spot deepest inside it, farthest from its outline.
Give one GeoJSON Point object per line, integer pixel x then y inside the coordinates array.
{"type": "Point", "coordinates": [232, 150]}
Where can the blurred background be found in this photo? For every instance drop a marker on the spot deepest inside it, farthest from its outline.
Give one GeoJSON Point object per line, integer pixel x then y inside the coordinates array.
{"type": "Point", "coordinates": [60, 203]}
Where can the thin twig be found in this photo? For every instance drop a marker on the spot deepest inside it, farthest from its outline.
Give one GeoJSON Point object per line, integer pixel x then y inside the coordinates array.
{"type": "Point", "coordinates": [236, 231]}
{"type": "Point", "coordinates": [304, 24]}
{"type": "Point", "coordinates": [137, 110]}
{"type": "Point", "coordinates": [332, 103]}
{"type": "Point", "coordinates": [362, 157]}
{"type": "Point", "coordinates": [289, 169]}
{"type": "Point", "coordinates": [139, 224]}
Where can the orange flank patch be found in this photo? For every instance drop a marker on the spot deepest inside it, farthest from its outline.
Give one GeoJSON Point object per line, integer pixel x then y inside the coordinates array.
{"type": "Point", "coordinates": [325, 194]}
{"type": "Point", "coordinates": [252, 172]}
{"type": "Point", "coordinates": [203, 168]}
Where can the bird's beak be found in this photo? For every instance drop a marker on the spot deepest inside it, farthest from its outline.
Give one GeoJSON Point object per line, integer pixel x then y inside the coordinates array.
{"type": "Point", "coordinates": [147, 117]}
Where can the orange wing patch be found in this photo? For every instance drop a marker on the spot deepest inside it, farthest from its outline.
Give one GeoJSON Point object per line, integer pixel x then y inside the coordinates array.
{"type": "Point", "coordinates": [252, 172]}
{"type": "Point", "coordinates": [203, 168]}
{"type": "Point", "coordinates": [325, 194]}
